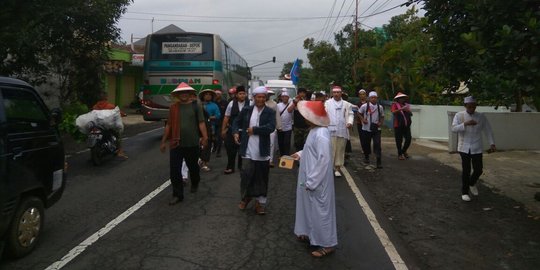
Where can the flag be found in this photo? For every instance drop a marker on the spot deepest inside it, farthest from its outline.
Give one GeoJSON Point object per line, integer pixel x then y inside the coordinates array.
{"type": "Point", "coordinates": [295, 72]}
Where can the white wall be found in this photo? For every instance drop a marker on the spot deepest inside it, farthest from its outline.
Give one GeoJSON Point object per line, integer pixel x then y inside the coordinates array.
{"type": "Point", "coordinates": [511, 130]}
{"type": "Point", "coordinates": [431, 121]}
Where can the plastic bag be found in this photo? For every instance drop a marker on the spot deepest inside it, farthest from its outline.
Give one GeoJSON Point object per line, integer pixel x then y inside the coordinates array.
{"type": "Point", "coordinates": [108, 119]}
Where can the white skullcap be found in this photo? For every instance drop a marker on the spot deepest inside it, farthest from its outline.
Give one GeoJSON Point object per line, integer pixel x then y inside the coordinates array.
{"type": "Point", "coordinates": [336, 89]}
{"type": "Point", "coordinates": [260, 90]}
{"type": "Point", "coordinates": [285, 93]}
{"type": "Point", "coordinates": [372, 94]}
{"type": "Point", "coordinates": [469, 99]}
{"type": "Point", "coordinates": [362, 91]}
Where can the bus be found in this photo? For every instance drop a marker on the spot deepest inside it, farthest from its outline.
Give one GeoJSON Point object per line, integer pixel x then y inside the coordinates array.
{"type": "Point", "coordinates": [202, 60]}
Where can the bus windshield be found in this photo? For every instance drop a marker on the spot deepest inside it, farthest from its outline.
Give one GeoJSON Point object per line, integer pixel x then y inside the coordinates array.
{"type": "Point", "coordinates": [181, 47]}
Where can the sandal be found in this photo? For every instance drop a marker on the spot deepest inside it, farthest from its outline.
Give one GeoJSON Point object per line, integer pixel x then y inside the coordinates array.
{"type": "Point", "coordinates": [228, 171]}
{"type": "Point", "coordinates": [406, 155]}
{"type": "Point", "coordinates": [322, 252]}
{"type": "Point", "coordinates": [244, 203]}
{"type": "Point", "coordinates": [401, 157]}
{"type": "Point", "coordinates": [303, 238]}
{"type": "Point", "coordinates": [205, 168]}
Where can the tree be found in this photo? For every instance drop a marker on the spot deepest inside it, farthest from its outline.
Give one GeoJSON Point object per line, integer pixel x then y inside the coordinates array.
{"type": "Point", "coordinates": [491, 45]}
{"type": "Point", "coordinates": [61, 42]}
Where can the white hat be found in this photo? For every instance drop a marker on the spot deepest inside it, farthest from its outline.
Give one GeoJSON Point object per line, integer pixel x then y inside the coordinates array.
{"type": "Point", "coordinates": [314, 112]}
{"type": "Point", "coordinates": [469, 99]}
{"type": "Point", "coordinates": [260, 90]}
{"type": "Point", "coordinates": [399, 94]}
{"type": "Point", "coordinates": [372, 94]}
{"type": "Point", "coordinates": [182, 87]}
{"type": "Point", "coordinates": [285, 93]}
{"type": "Point", "coordinates": [270, 92]}
{"type": "Point", "coordinates": [361, 91]}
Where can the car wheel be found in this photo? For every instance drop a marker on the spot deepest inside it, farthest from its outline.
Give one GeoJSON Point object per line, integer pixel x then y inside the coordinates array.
{"type": "Point", "coordinates": [26, 227]}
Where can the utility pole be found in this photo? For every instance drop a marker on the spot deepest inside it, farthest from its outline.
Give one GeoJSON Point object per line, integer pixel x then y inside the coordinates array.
{"type": "Point", "coordinates": [355, 54]}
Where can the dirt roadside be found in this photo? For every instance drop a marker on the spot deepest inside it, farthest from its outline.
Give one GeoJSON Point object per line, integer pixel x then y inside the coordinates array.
{"type": "Point", "coordinates": [421, 198]}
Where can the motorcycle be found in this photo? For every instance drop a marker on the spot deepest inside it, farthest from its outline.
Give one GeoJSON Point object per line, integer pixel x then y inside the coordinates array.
{"type": "Point", "coordinates": [102, 142]}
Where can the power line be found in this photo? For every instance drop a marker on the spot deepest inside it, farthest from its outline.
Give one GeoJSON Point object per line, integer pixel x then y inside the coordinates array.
{"type": "Point", "coordinates": [233, 19]}
{"type": "Point", "coordinates": [283, 44]}
{"type": "Point", "coordinates": [327, 20]}
{"type": "Point", "coordinates": [335, 21]}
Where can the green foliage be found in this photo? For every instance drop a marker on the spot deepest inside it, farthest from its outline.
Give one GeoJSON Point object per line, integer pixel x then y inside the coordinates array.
{"type": "Point", "coordinates": [491, 45]}
{"type": "Point", "coordinates": [69, 115]}
{"type": "Point", "coordinates": [61, 42]}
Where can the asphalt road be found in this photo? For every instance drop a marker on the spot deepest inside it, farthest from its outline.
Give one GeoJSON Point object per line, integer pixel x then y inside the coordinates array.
{"type": "Point", "coordinates": [205, 231]}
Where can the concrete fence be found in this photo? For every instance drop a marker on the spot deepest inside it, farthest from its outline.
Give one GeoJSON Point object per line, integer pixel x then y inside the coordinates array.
{"type": "Point", "coordinates": [512, 131]}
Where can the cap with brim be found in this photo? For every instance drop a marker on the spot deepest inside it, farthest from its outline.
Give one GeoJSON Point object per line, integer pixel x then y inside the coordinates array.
{"type": "Point", "coordinates": [400, 95]}
{"type": "Point", "coordinates": [314, 112]}
{"type": "Point", "coordinates": [183, 87]}
{"type": "Point", "coordinates": [201, 94]}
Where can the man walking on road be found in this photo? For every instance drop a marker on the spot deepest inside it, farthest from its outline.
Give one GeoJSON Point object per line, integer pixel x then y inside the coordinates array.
{"type": "Point", "coordinates": [315, 196]}
{"type": "Point", "coordinates": [255, 124]}
{"type": "Point", "coordinates": [372, 116]}
{"type": "Point", "coordinates": [300, 128]}
{"type": "Point", "coordinates": [185, 123]}
{"type": "Point", "coordinates": [231, 112]}
{"type": "Point", "coordinates": [285, 111]}
{"type": "Point", "coordinates": [341, 119]}
{"type": "Point", "coordinates": [469, 125]}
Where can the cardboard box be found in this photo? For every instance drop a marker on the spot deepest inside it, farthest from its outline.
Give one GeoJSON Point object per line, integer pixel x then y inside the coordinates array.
{"type": "Point", "coordinates": [286, 162]}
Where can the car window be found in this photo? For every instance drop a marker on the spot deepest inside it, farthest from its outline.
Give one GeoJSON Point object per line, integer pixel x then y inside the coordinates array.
{"type": "Point", "coordinates": [23, 111]}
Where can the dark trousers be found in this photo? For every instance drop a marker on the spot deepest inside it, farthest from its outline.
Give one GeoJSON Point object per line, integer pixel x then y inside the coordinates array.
{"type": "Point", "coordinates": [284, 142]}
{"type": "Point", "coordinates": [232, 152]}
{"type": "Point", "coordinates": [218, 140]}
{"type": "Point", "coordinates": [191, 156]}
{"type": "Point", "coordinates": [466, 178]}
{"type": "Point", "coordinates": [399, 134]}
{"type": "Point", "coordinates": [300, 135]}
{"type": "Point", "coordinates": [366, 138]}
{"type": "Point", "coordinates": [254, 179]}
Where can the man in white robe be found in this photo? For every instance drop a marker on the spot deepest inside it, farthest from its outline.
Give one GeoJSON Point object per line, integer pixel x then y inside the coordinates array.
{"type": "Point", "coordinates": [341, 119]}
{"type": "Point", "coordinates": [315, 197]}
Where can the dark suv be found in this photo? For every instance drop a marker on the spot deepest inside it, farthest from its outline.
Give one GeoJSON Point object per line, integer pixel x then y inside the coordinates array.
{"type": "Point", "coordinates": [32, 168]}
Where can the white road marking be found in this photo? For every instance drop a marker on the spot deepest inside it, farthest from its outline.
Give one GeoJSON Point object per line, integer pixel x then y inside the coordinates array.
{"type": "Point", "coordinates": [390, 249]}
{"type": "Point", "coordinates": [76, 251]}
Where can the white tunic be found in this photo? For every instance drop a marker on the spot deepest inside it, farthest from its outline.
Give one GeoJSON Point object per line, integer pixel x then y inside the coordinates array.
{"type": "Point", "coordinates": [340, 114]}
{"type": "Point", "coordinates": [253, 150]}
{"type": "Point", "coordinates": [470, 137]}
{"type": "Point", "coordinates": [366, 111]}
{"type": "Point", "coordinates": [316, 207]}
{"type": "Point", "coordinates": [286, 117]}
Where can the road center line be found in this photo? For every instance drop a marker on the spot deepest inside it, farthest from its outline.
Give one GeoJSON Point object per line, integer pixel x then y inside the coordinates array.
{"type": "Point", "coordinates": [76, 251]}
{"type": "Point", "coordinates": [390, 249]}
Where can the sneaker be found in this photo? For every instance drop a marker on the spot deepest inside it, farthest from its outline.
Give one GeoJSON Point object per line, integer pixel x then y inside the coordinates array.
{"type": "Point", "coordinates": [337, 174]}
{"type": "Point", "coordinates": [474, 190]}
{"type": "Point", "coordinates": [260, 208]}
{"type": "Point", "coordinates": [466, 198]}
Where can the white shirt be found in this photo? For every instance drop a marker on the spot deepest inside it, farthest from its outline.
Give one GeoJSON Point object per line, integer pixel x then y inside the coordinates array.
{"type": "Point", "coordinates": [253, 150]}
{"type": "Point", "coordinates": [286, 117]}
{"type": "Point", "coordinates": [228, 110]}
{"type": "Point", "coordinates": [365, 112]}
{"type": "Point", "coordinates": [470, 137]}
{"type": "Point", "coordinates": [340, 114]}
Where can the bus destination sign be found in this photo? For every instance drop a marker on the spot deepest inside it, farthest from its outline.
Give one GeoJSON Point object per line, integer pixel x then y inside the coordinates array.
{"type": "Point", "coordinates": [181, 47]}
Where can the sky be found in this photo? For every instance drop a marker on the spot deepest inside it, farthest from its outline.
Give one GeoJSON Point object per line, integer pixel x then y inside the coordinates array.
{"type": "Point", "coordinates": [258, 29]}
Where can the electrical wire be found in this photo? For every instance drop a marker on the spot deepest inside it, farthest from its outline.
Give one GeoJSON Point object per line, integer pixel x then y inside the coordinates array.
{"type": "Point", "coordinates": [327, 20]}
{"type": "Point", "coordinates": [335, 21]}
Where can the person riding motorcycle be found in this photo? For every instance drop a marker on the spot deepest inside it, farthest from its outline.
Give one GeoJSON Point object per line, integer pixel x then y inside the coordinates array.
{"type": "Point", "coordinates": [104, 104]}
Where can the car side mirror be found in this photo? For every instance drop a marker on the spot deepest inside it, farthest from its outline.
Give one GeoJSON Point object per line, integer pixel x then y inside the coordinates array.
{"type": "Point", "coordinates": [56, 115]}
